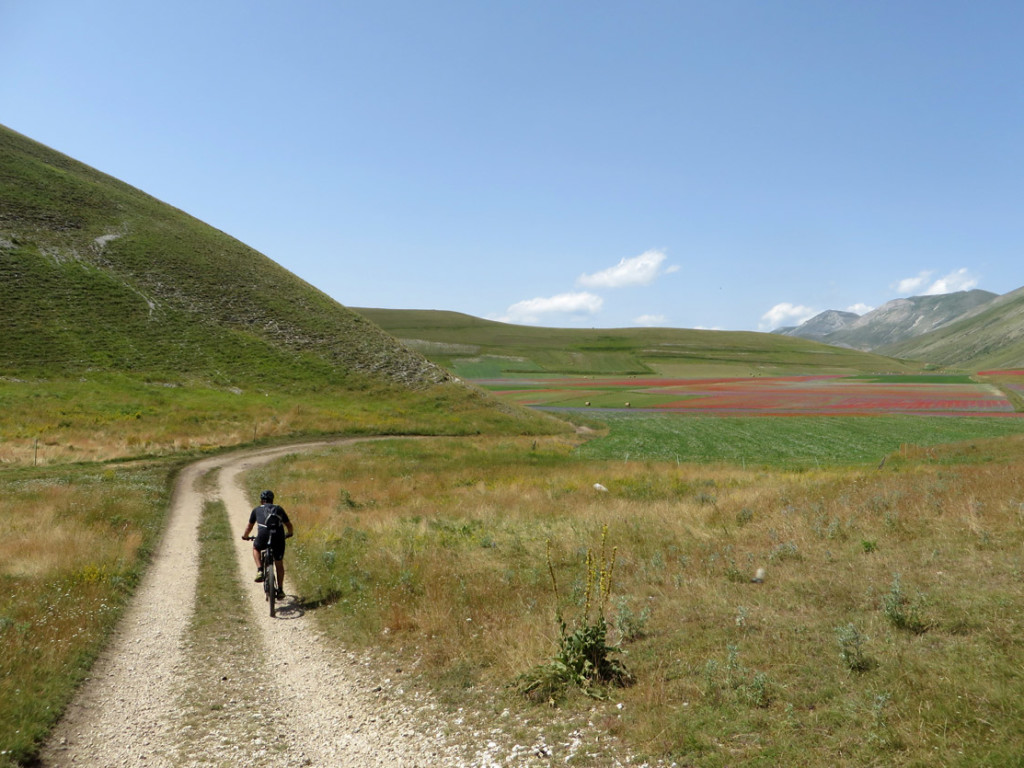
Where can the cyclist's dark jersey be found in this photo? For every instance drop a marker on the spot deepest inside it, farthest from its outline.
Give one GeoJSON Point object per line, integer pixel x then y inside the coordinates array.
{"type": "Point", "coordinates": [259, 517]}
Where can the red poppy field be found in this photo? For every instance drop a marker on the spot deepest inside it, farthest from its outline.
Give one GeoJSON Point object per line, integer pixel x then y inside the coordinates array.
{"type": "Point", "coordinates": [815, 395]}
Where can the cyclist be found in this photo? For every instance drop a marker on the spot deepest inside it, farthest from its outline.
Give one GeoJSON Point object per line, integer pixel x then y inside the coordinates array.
{"type": "Point", "coordinates": [258, 517]}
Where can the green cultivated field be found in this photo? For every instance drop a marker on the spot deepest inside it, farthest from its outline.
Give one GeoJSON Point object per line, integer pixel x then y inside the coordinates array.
{"type": "Point", "coordinates": [793, 442]}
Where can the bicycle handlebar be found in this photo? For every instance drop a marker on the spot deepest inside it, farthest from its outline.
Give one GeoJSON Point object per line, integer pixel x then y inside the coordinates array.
{"type": "Point", "coordinates": [252, 538]}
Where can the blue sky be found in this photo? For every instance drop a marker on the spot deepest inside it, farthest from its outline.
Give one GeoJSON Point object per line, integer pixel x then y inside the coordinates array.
{"type": "Point", "coordinates": [722, 164]}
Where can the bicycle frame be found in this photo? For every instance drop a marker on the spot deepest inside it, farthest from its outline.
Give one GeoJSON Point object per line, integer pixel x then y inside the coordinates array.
{"type": "Point", "coordinates": [269, 575]}
{"type": "Point", "coordinates": [268, 564]}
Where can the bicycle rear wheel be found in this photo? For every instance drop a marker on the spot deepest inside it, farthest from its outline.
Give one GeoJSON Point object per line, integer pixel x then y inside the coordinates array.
{"type": "Point", "coordinates": [270, 585]}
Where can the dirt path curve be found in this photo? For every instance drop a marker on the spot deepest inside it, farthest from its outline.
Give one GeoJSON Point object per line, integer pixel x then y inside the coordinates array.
{"type": "Point", "coordinates": [328, 711]}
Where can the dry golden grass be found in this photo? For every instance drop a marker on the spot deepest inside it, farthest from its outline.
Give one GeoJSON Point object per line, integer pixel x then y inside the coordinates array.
{"type": "Point", "coordinates": [74, 544]}
{"type": "Point", "coordinates": [63, 529]}
{"type": "Point", "coordinates": [437, 549]}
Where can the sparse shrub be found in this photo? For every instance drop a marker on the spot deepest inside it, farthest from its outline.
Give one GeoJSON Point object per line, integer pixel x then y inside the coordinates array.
{"type": "Point", "coordinates": [851, 648]}
{"type": "Point", "coordinates": [878, 503]}
{"type": "Point", "coordinates": [744, 516]}
{"type": "Point", "coordinates": [346, 502]}
{"type": "Point", "coordinates": [869, 546]}
{"type": "Point", "coordinates": [741, 617]}
{"type": "Point", "coordinates": [710, 674]}
{"type": "Point", "coordinates": [753, 688]}
{"type": "Point", "coordinates": [830, 528]}
{"type": "Point", "coordinates": [903, 611]}
{"type": "Point", "coordinates": [785, 551]}
{"type": "Point", "coordinates": [881, 733]}
{"type": "Point", "coordinates": [758, 691]}
{"type": "Point", "coordinates": [628, 623]}
{"type": "Point", "coordinates": [707, 499]}
{"type": "Point", "coordinates": [733, 572]}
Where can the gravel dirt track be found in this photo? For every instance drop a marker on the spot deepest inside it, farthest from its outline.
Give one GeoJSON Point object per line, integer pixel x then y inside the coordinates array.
{"type": "Point", "coordinates": [329, 708]}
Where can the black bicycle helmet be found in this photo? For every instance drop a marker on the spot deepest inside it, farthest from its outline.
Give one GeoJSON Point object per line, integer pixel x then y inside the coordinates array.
{"type": "Point", "coordinates": [267, 497]}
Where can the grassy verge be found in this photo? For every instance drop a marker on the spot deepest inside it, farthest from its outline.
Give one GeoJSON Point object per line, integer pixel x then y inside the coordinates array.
{"type": "Point", "coordinates": [886, 630]}
{"type": "Point", "coordinates": [111, 416]}
{"type": "Point", "coordinates": [75, 542]}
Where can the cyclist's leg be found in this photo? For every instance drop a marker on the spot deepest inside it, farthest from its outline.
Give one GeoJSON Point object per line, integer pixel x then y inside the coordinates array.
{"type": "Point", "coordinates": [258, 544]}
{"type": "Point", "coordinates": [280, 574]}
{"type": "Point", "coordinates": [279, 563]}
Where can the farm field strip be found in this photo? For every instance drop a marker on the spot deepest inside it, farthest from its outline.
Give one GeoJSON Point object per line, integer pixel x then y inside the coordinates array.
{"type": "Point", "coordinates": [807, 395]}
{"type": "Point", "coordinates": [793, 441]}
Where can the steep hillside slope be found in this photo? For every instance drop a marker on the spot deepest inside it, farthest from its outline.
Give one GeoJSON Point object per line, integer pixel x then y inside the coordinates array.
{"type": "Point", "coordinates": [96, 275]}
{"type": "Point", "coordinates": [992, 337]}
{"type": "Point", "coordinates": [477, 348]}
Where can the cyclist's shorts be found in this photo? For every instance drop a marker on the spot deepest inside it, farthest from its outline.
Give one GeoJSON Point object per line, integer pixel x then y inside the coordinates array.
{"type": "Point", "coordinates": [260, 542]}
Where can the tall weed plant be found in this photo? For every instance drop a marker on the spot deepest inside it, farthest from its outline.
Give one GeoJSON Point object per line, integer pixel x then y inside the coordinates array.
{"type": "Point", "coordinates": [584, 658]}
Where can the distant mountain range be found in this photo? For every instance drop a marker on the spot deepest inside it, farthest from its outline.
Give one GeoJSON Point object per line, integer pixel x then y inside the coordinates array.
{"type": "Point", "coordinates": [931, 328]}
{"type": "Point", "coordinates": [990, 336]}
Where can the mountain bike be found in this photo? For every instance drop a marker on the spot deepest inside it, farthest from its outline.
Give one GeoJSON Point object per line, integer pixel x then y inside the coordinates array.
{"type": "Point", "coordinates": [269, 566]}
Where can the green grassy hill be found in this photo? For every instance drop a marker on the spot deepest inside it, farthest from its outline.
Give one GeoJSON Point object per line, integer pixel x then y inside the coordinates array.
{"type": "Point", "coordinates": [131, 328]}
{"type": "Point", "coordinates": [96, 275]}
{"type": "Point", "coordinates": [477, 348]}
{"type": "Point", "coordinates": [991, 338]}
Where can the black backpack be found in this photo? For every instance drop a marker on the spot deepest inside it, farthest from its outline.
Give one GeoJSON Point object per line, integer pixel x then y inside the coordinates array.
{"type": "Point", "coordinates": [272, 519]}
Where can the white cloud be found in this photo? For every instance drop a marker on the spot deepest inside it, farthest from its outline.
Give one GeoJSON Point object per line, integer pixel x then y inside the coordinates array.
{"type": "Point", "coordinates": [638, 270]}
{"type": "Point", "coordinates": [650, 321]}
{"type": "Point", "coordinates": [860, 309]}
{"type": "Point", "coordinates": [785, 314]}
{"type": "Point", "coordinates": [531, 310]}
{"type": "Point", "coordinates": [908, 285]}
{"type": "Point", "coordinates": [958, 280]}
